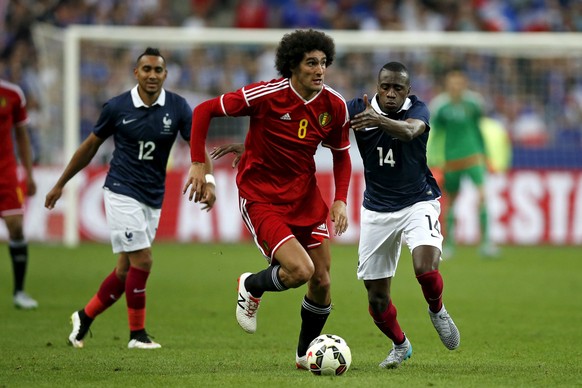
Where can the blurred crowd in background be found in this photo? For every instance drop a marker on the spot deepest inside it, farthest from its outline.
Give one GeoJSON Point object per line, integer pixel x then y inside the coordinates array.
{"type": "Point", "coordinates": [538, 100]}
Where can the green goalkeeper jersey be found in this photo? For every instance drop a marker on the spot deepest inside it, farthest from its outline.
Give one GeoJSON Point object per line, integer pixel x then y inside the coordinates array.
{"type": "Point", "coordinates": [458, 123]}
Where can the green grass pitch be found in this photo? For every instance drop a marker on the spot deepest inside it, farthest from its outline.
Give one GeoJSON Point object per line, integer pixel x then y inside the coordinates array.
{"type": "Point", "coordinates": [519, 318]}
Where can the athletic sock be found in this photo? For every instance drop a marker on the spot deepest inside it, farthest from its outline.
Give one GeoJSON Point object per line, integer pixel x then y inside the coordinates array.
{"type": "Point", "coordinates": [265, 280]}
{"type": "Point", "coordinates": [109, 292]}
{"type": "Point", "coordinates": [135, 295]}
{"type": "Point", "coordinates": [432, 287]}
{"type": "Point", "coordinates": [19, 255]}
{"type": "Point", "coordinates": [140, 335]}
{"type": "Point", "coordinates": [86, 321]}
{"type": "Point", "coordinates": [388, 324]}
{"type": "Point", "coordinates": [313, 318]}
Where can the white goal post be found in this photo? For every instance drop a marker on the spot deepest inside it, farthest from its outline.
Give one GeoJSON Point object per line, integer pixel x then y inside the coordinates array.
{"type": "Point", "coordinates": [530, 45]}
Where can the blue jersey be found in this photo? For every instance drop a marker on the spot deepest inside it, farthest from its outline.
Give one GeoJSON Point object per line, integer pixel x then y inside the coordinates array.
{"type": "Point", "coordinates": [143, 139]}
{"type": "Point", "coordinates": [395, 171]}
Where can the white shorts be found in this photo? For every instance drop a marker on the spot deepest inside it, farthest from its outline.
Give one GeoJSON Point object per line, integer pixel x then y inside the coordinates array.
{"type": "Point", "coordinates": [133, 225]}
{"type": "Point", "coordinates": [381, 237]}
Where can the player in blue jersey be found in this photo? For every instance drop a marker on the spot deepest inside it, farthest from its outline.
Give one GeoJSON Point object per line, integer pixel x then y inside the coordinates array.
{"type": "Point", "coordinates": [144, 123]}
{"type": "Point", "coordinates": [400, 204]}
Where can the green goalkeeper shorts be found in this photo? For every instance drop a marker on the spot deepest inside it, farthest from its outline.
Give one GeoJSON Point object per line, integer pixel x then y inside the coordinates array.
{"type": "Point", "coordinates": [453, 179]}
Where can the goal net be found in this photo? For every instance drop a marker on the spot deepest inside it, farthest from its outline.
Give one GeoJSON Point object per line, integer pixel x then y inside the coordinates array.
{"type": "Point", "coordinates": [531, 83]}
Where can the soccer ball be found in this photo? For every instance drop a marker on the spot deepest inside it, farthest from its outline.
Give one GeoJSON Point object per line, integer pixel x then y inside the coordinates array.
{"type": "Point", "coordinates": [329, 355]}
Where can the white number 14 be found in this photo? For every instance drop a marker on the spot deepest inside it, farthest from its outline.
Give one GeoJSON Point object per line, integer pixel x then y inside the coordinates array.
{"type": "Point", "coordinates": [386, 159]}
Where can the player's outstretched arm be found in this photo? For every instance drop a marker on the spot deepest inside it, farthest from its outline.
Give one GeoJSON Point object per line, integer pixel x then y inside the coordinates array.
{"type": "Point", "coordinates": [80, 160]}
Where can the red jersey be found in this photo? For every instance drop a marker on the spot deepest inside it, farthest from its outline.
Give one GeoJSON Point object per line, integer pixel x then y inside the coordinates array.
{"type": "Point", "coordinates": [285, 130]}
{"type": "Point", "coordinates": [12, 113]}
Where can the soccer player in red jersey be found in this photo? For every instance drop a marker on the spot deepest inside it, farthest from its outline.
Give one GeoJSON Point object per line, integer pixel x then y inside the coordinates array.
{"type": "Point", "coordinates": [280, 201]}
{"type": "Point", "coordinates": [13, 116]}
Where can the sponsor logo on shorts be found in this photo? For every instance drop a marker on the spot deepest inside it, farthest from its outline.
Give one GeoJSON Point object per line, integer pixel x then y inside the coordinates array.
{"type": "Point", "coordinates": [128, 235]}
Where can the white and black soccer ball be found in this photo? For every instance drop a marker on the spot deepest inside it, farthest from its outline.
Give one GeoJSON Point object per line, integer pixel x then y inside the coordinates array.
{"type": "Point", "coordinates": [329, 355]}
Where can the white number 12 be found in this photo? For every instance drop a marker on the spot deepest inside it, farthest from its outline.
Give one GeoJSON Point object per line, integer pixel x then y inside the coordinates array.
{"type": "Point", "coordinates": [146, 149]}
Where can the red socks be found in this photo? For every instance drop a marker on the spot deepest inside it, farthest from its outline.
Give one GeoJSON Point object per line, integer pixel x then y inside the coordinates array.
{"type": "Point", "coordinates": [135, 287]}
{"type": "Point", "coordinates": [109, 292]}
{"type": "Point", "coordinates": [432, 287]}
{"type": "Point", "coordinates": [387, 323]}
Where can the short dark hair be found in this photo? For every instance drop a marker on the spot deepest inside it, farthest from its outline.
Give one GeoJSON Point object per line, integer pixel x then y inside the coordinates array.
{"type": "Point", "coordinates": [294, 45]}
{"type": "Point", "coordinates": [396, 67]}
{"type": "Point", "coordinates": [151, 51]}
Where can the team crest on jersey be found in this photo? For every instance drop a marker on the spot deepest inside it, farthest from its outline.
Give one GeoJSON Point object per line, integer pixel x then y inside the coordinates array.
{"type": "Point", "coordinates": [167, 123]}
{"type": "Point", "coordinates": [324, 119]}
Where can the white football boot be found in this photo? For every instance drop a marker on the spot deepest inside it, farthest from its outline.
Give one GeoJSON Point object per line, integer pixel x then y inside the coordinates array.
{"type": "Point", "coordinates": [446, 328]}
{"type": "Point", "coordinates": [79, 331]}
{"type": "Point", "coordinates": [23, 301]}
{"type": "Point", "coordinates": [246, 306]}
{"type": "Point", "coordinates": [397, 355]}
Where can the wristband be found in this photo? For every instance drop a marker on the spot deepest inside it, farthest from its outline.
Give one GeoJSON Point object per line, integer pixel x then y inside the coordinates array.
{"type": "Point", "coordinates": [210, 179]}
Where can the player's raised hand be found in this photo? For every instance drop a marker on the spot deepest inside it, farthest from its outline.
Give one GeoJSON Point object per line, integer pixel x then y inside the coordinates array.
{"type": "Point", "coordinates": [368, 118]}
{"type": "Point", "coordinates": [196, 182]}
{"type": "Point", "coordinates": [235, 148]}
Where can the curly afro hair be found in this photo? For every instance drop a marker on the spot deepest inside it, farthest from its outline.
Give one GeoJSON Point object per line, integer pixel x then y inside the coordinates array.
{"type": "Point", "coordinates": [294, 45]}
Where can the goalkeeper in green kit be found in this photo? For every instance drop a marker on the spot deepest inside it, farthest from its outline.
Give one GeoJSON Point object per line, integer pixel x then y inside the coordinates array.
{"type": "Point", "coordinates": [456, 115]}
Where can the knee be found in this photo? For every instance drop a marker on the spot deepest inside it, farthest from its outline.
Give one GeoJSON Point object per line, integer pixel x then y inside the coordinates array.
{"type": "Point", "coordinates": [299, 275]}
{"type": "Point", "coordinates": [141, 259]}
{"type": "Point", "coordinates": [424, 266]}
{"type": "Point", "coordinates": [121, 273]}
{"type": "Point", "coordinates": [16, 235]}
{"type": "Point", "coordinates": [425, 259]}
{"type": "Point", "coordinates": [15, 231]}
{"type": "Point", "coordinates": [320, 281]}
